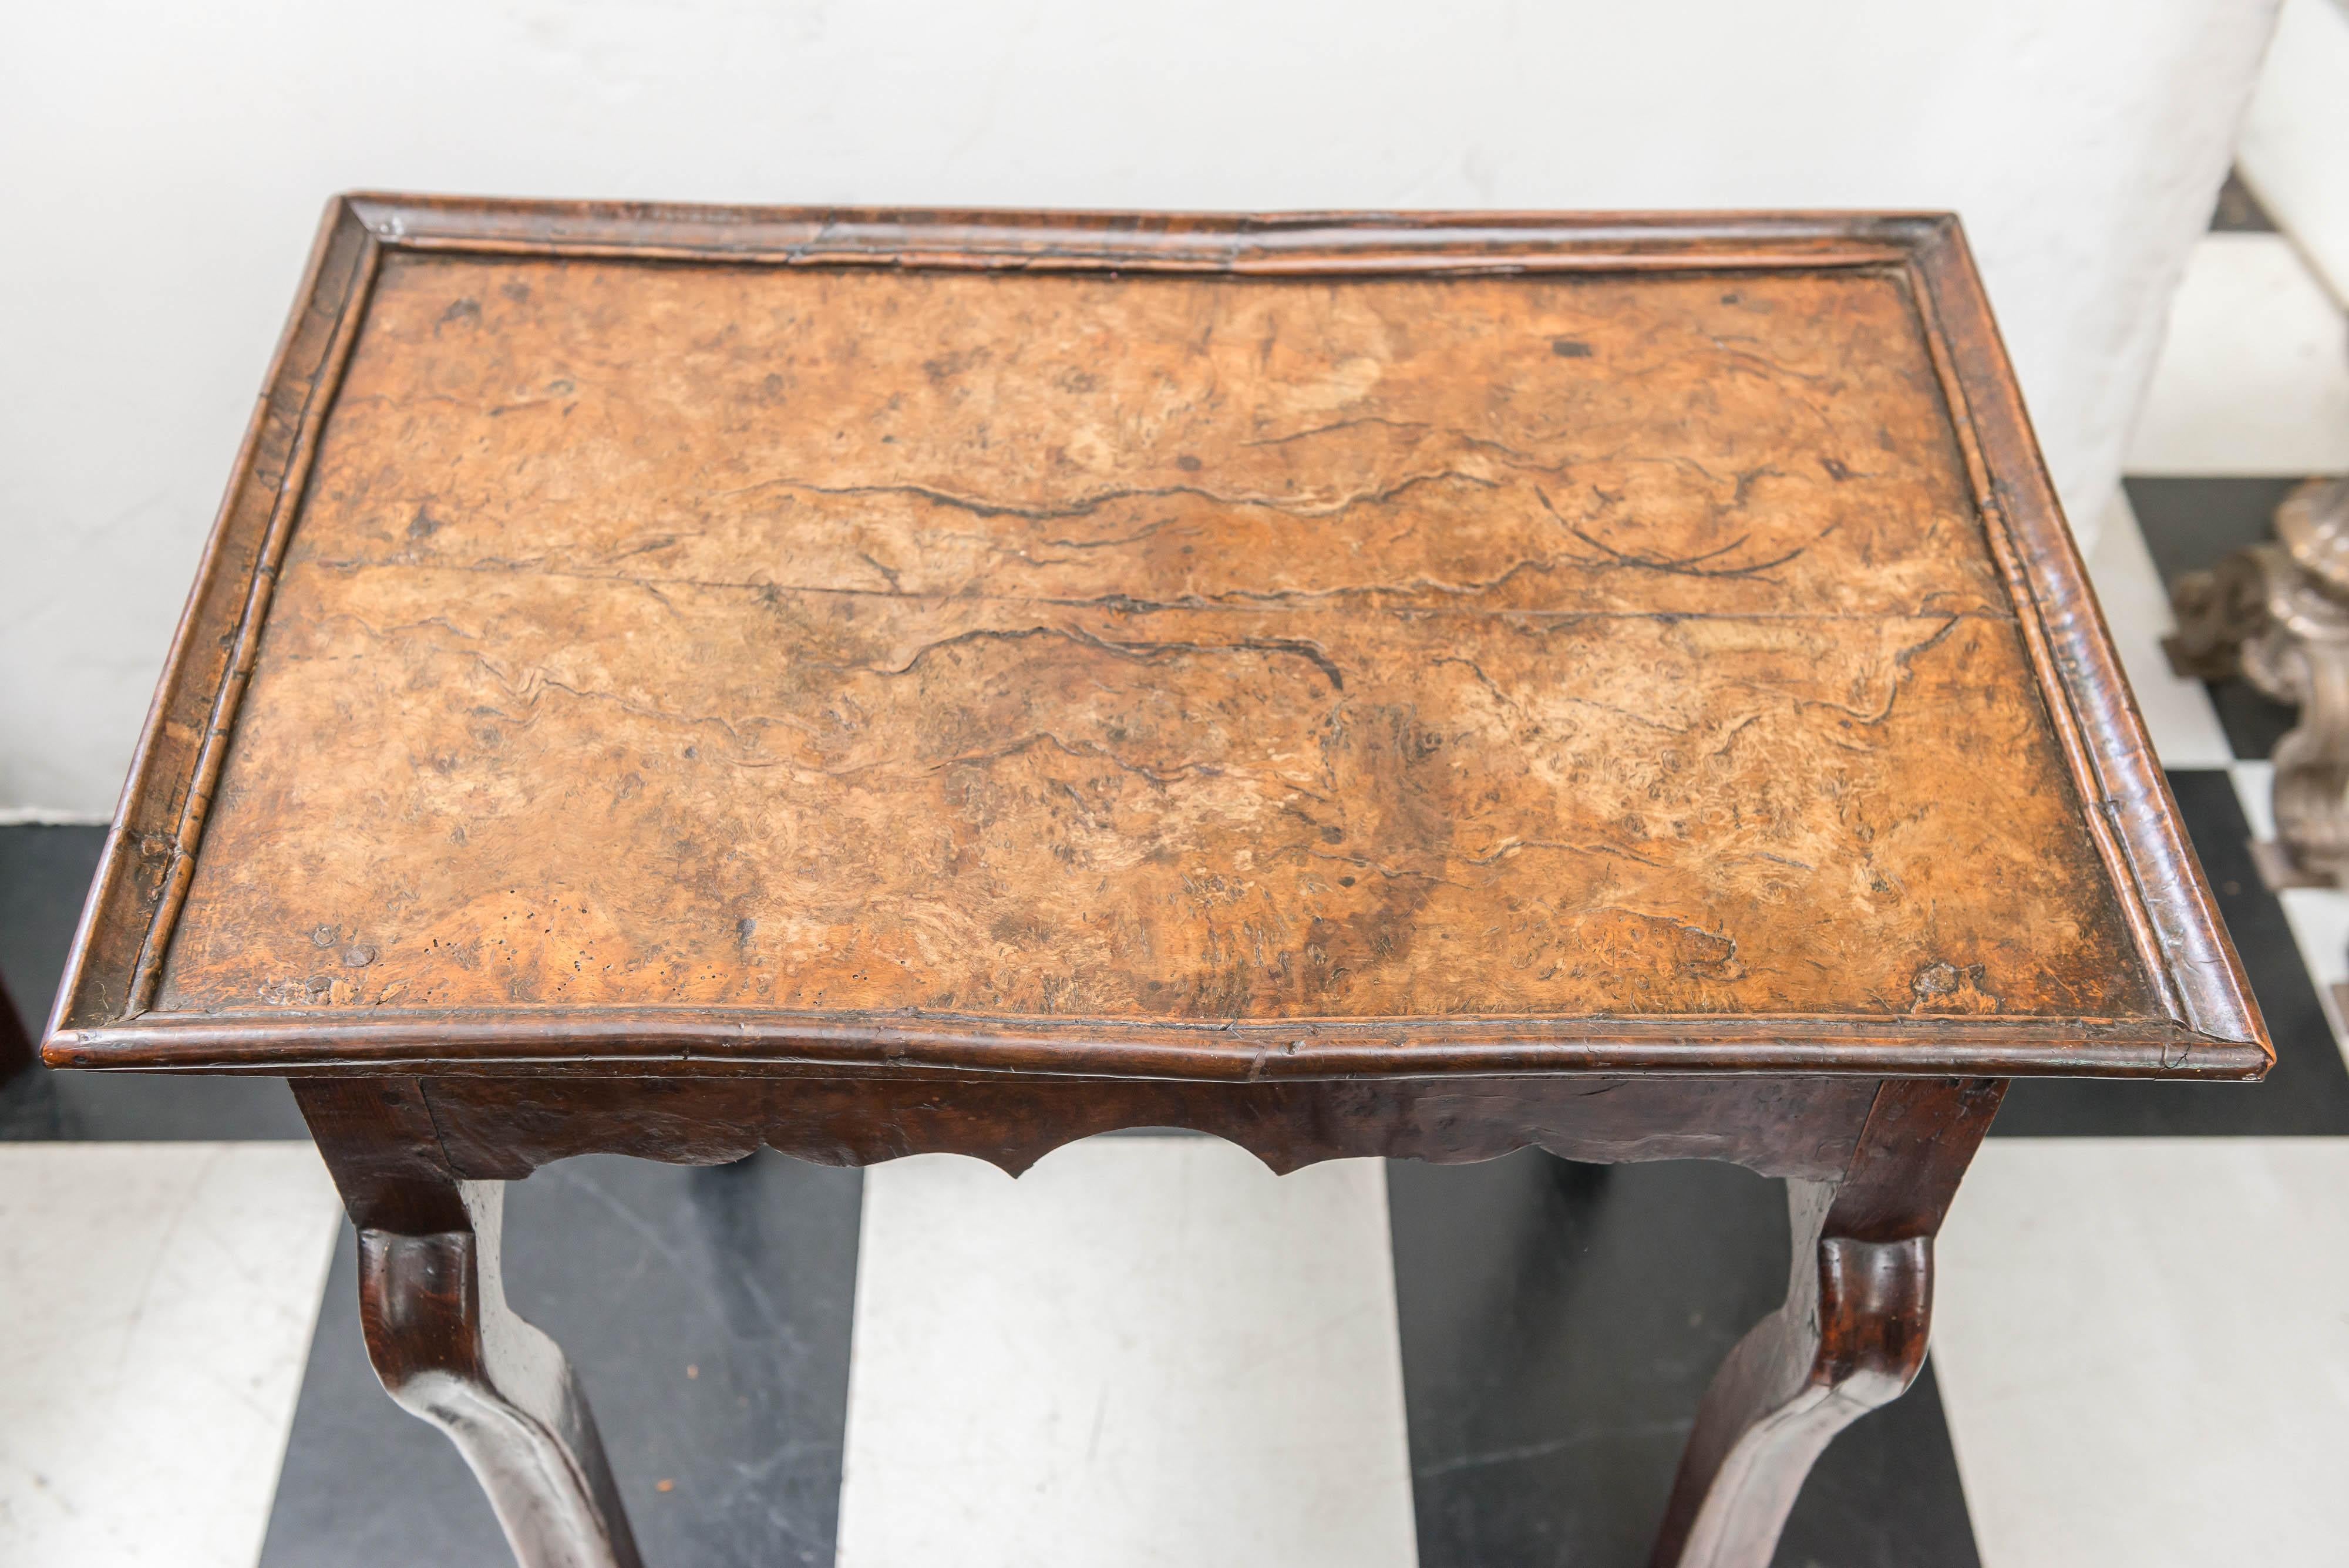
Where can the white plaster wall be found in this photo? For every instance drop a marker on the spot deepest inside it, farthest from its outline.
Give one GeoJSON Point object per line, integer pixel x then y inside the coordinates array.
{"type": "Point", "coordinates": [162, 166]}
{"type": "Point", "coordinates": [2294, 152]}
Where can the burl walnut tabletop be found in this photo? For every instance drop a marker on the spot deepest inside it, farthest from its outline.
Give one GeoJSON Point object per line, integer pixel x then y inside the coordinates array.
{"type": "Point", "coordinates": [666, 680]}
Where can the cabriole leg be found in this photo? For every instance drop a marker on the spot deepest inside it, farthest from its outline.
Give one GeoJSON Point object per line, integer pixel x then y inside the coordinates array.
{"type": "Point", "coordinates": [1850, 1337]}
{"type": "Point", "coordinates": [445, 1343]}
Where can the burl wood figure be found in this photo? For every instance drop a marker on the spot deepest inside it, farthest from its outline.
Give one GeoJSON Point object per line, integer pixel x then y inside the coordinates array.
{"type": "Point", "coordinates": [671, 680]}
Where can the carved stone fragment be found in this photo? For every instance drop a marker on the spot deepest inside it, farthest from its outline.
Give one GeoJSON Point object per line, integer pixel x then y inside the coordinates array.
{"type": "Point", "coordinates": [2277, 616]}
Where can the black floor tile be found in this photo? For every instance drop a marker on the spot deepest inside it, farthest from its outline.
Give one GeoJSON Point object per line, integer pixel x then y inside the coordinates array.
{"type": "Point", "coordinates": [44, 874]}
{"type": "Point", "coordinates": [2189, 525]}
{"type": "Point", "coordinates": [1560, 1321]}
{"type": "Point", "coordinates": [2253, 721]}
{"type": "Point", "coordinates": [145, 1108]}
{"type": "Point", "coordinates": [2308, 1090]}
{"type": "Point", "coordinates": [707, 1312]}
{"type": "Point", "coordinates": [2239, 211]}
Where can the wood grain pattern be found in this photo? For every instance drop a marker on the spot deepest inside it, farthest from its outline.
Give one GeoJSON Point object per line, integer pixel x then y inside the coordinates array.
{"type": "Point", "coordinates": [1188, 648]}
{"type": "Point", "coordinates": [671, 680]}
{"type": "Point", "coordinates": [1206, 645]}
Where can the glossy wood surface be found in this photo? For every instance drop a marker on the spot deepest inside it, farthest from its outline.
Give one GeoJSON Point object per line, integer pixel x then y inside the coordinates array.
{"type": "Point", "coordinates": [670, 680]}
{"type": "Point", "coordinates": [1143, 646]}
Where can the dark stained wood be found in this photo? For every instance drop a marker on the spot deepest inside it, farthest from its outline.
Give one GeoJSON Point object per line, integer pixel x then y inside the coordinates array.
{"type": "Point", "coordinates": [1873, 1168]}
{"type": "Point", "coordinates": [1617, 641]}
{"type": "Point", "coordinates": [668, 680]}
{"type": "Point", "coordinates": [697, 1042]}
{"type": "Point", "coordinates": [1850, 1337]}
{"type": "Point", "coordinates": [448, 1349]}
{"type": "Point", "coordinates": [506, 1127]}
{"type": "Point", "coordinates": [377, 1137]}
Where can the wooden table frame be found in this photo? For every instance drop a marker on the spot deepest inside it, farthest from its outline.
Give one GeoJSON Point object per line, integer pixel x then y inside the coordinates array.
{"type": "Point", "coordinates": [423, 1114]}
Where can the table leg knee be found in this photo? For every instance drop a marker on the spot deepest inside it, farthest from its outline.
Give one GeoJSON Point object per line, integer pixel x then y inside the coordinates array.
{"type": "Point", "coordinates": [451, 1352]}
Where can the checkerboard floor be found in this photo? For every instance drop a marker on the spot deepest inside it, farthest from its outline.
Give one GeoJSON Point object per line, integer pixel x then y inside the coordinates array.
{"type": "Point", "coordinates": [1151, 1351]}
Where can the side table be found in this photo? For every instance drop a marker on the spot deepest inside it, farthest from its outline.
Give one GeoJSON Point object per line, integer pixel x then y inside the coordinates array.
{"type": "Point", "coordinates": [668, 680]}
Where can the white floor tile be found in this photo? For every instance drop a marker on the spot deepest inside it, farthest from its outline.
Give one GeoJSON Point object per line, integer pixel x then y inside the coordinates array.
{"type": "Point", "coordinates": [2254, 784]}
{"type": "Point", "coordinates": [2294, 150]}
{"type": "Point", "coordinates": [2319, 917]}
{"type": "Point", "coordinates": [2178, 714]}
{"type": "Point", "coordinates": [2253, 375]}
{"type": "Point", "coordinates": [1147, 1350]}
{"type": "Point", "coordinates": [2143, 1347]}
{"type": "Point", "coordinates": [160, 1300]}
